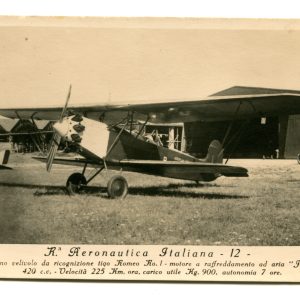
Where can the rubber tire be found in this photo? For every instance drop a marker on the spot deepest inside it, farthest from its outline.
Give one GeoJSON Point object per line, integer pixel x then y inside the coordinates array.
{"type": "Point", "coordinates": [75, 182]}
{"type": "Point", "coordinates": [298, 158]}
{"type": "Point", "coordinates": [117, 187]}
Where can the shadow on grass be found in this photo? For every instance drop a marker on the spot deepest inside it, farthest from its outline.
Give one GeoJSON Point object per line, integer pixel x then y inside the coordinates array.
{"type": "Point", "coordinates": [293, 180]}
{"type": "Point", "coordinates": [171, 190]}
{"type": "Point", "coordinates": [43, 189]}
{"type": "Point", "coordinates": [165, 192]}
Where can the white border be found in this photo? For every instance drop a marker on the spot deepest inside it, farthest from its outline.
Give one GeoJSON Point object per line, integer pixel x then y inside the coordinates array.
{"type": "Point", "coordinates": [155, 8]}
{"type": "Point", "coordinates": [145, 291]}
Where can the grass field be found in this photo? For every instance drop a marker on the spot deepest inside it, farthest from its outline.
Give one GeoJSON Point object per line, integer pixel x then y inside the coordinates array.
{"type": "Point", "coordinates": [263, 209]}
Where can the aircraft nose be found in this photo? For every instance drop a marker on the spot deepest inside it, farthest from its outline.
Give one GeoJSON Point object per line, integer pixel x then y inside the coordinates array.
{"type": "Point", "coordinates": [61, 128]}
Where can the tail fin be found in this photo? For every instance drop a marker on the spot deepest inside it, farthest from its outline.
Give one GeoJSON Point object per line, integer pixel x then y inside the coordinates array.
{"type": "Point", "coordinates": [4, 156]}
{"type": "Point", "coordinates": [214, 153]}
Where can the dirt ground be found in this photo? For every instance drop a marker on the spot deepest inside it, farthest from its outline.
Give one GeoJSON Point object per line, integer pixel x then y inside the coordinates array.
{"type": "Point", "coordinates": [263, 209]}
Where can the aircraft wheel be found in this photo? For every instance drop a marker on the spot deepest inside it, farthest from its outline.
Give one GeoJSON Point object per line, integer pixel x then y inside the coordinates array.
{"type": "Point", "coordinates": [75, 182]}
{"type": "Point", "coordinates": [117, 187]}
{"type": "Point", "coordinates": [298, 158]}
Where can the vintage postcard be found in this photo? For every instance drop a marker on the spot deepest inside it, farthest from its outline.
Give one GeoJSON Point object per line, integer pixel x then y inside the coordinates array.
{"type": "Point", "coordinates": [150, 149]}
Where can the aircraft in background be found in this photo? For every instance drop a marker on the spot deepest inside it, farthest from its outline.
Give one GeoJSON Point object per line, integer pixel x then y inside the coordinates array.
{"type": "Point", "coordinates": [105, 138]}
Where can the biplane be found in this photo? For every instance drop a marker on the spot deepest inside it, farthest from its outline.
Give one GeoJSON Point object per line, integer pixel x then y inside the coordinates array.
{"type": "Point", "coordinates": [105, 138]}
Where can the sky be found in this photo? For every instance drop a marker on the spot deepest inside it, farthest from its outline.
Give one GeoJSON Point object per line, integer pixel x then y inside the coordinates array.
{"type": "Point", "coordinates": [109, 61]}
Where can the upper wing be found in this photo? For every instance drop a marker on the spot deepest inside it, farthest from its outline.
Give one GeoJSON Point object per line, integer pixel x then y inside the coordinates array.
{"type": "Point", "coordinates": [207, 109]}
{"type": "Point", "coordinates": [223, 108]}
{"type": "Point", "coordinates": [53, 113]}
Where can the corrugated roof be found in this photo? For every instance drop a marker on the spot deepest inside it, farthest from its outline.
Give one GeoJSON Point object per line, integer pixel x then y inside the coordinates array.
{"type": "Point", "coordinates": [248, 90]}
{"type": "Point", "coordinates": [8, 124]}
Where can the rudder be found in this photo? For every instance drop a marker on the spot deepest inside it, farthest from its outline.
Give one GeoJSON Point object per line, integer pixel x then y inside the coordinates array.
{"type": "Point", "coordinates": [214, 153]}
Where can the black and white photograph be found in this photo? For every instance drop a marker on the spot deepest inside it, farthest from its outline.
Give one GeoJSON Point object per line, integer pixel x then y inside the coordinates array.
{"type": "Point", "coordinates": [149, 131]}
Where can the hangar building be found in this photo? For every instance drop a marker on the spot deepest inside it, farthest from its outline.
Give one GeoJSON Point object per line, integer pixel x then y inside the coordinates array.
{"type": "Point", "coordinates": [269, 137]}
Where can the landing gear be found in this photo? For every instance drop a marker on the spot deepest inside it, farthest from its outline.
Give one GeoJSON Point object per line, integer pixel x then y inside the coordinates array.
{"type": "Point", "coordinates": [298, 158]}
{"type": "Point", "coordinates": [117, 187]}
{"type": "Point", "coordinates": [75, 182]}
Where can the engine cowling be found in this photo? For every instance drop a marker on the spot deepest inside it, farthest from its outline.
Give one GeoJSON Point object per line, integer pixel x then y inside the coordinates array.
{"type": "Point", "coordinates": [89, 135]}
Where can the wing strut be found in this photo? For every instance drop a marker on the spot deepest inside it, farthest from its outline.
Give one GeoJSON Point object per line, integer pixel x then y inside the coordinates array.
{"type": "Point", "coordinates": [237, 135]}
{"type": "Point", "coordinates": [116, 140]}
{"type": "Point", "coordinates": [36, 143]}
{"type": "Point", "coordinates": [231, 124]}
{"type": "Point", "coordinates": [131, 121]}
{"type": "Point", "coordinates": [143, 126]}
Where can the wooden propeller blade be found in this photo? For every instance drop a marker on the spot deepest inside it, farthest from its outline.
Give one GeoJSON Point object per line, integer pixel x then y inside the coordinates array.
{"type": "Point", "coordinates": [66, 104]}
{"type": "Point", "coordinates": [56, 137]}
{"type": "Point", "coordinates": [52, 152]}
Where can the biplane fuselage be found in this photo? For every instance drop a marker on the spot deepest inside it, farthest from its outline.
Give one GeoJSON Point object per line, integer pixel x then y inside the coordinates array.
{"type": "Point", "coordinates": [137, 155]}
{"type": "Point", "coordinates": [121, 149]}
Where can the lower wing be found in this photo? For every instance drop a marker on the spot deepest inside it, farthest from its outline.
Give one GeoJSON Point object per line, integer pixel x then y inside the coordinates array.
{"type": "Point", "coordinates": [199, 171]}
{"type": "Point", "coordinates": [70, 161]}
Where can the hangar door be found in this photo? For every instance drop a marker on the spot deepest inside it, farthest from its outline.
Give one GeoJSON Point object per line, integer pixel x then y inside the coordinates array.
{"type": "Point", "coordinates": [256, 138]}
{"type": "Point", "coordinates": [292, 137]}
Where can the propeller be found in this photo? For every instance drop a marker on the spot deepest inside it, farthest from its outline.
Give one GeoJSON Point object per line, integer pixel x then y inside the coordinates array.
{"type": "Point", "coordinates": [66, 104]}
{"type": "Point", "coordinates": [56, 136]}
